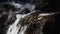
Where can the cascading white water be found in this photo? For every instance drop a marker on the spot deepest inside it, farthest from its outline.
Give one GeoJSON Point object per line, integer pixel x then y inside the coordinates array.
{"type": "Point", "coordinates": [13, 28]}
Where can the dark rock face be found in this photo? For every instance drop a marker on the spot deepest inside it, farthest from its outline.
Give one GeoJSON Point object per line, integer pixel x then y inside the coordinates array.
{"type": "Point", "coordinates": [4, 24]}
{"type": "Point", "coordinates": [8, 7]}
{"type": "Point", "coordinates": [48, 5]}
{"type": "Point", "coordinates": [51, 27]}
{"type": "Point", "coordinates": [4, 21]}
{"type": "Point", "coordinates": [54, 6]}
{"type": "Point", "coordinates": [25, 11]}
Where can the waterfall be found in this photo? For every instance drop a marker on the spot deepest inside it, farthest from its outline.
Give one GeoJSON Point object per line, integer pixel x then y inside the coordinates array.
{"type": "Point", "coordinates": [17, 27]}
{"type": "Point", "coordinates": [26, 16]}
{"type": "Point", "coordinates": [13, 29]}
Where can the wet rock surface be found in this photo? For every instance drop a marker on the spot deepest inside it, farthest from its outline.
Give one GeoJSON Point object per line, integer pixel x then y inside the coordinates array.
{"type": "Point", "coordinates": [47, 25]}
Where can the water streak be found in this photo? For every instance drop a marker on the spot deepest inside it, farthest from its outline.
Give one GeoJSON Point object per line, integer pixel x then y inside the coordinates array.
{"type": "Point", "coordinates": [17, 28]}
{"type": "Point", "coordinates": [14, 29]}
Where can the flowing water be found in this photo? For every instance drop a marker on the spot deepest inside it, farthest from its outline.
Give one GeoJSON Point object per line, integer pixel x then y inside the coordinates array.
{"type": "Point", "coordinates": [28, 20]}
{"type": "Point", "coordinates": [17, 27]}
{"type": "Point", "coordinates": [14, 29]}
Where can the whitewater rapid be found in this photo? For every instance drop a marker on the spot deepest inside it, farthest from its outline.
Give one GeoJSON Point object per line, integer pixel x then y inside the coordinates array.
{"type": "Point", "coordinates": [14, 29]}
{"type": "Point", "coordinates": [17, 28]}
